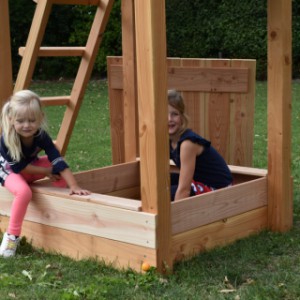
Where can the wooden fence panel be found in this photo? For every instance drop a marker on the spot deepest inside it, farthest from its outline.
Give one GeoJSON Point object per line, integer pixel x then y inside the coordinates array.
{"type": "Point", "coordinates": [219, 95]}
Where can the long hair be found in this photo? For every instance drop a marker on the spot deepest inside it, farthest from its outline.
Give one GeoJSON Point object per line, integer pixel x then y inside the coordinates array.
{"type": "Point", "coordinates": [175, 100]}
{"type": "Point", "coordinates": [24, 101]}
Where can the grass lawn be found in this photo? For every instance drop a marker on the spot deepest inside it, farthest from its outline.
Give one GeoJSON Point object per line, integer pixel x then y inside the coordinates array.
{"type": "Point", "coordinates": [265, 266]}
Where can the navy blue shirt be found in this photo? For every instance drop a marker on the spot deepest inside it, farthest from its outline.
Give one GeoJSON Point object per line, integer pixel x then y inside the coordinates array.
{"type": "Point", "coordinates": [211, 169]}
{"type": "Point", "coordinates": [41, 141]}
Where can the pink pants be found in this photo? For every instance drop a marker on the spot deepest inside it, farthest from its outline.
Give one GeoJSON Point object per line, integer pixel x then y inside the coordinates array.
{"type": "Point", "coordinates": [18, 185]}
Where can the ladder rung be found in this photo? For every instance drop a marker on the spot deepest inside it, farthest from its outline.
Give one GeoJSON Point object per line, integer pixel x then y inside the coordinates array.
{"type": "Point", "coordinates": [74, 2]}
{"type": "Point", "coordinates": [53, 101]}
{"type": "Point", "coordinates": [57, 51]}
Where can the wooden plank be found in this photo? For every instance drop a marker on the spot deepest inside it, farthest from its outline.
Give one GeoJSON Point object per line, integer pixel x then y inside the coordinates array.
{"type": "Point", "coordinates": [55, 240]}
{"type": "Point", "coordinates": [218, 112]}
{"type": "Point", "coordinates": [220, 233]}
{"type": "Point", "coordinates": [280, 193]}
{"type": "Point", "coordinates": [33, 44]}
{"type": "Point", "coordinates": [153, 134]}
{"type": "Point", "coordinates": [56, 51]}
{"type": "Point", "coordinates": [86, 216]}
{"type": "Point", "coordinates": [6, 78]}
{"type": "Point", "coordinates": [116, 112]}
{"type": "Point", "coordinates": [132, 193]}
{"type": "Point", "coordinates": [129, 81]}
{"type": "Point", "coordinates": [200, 210]}
{"type": "Point", "coordinates": [248, 170]}
{"type": "Point", "coordinates": [110, 200]}
{"type": "Point", "coordinates": [209, 79]}
{"type": "Point", "coordinates": [54, 101]}
{"type": "Point", "coordinates": [84, 73]}
{"type": "Point", "coordinates": [242, 106]}
{"type": "Point", "coordinates": [214, 80]}
{"type": "Point", "coordinates": [195, 102]}
{"type": "Point", "coordinates": [113, 178]}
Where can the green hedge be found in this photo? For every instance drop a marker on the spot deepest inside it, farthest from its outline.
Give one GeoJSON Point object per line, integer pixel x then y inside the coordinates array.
{"type": "Point", "coordinates": [198, 28]}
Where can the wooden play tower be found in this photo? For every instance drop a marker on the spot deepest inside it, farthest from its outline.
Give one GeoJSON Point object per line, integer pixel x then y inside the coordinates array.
{"type": "Point", "coordinates": [128, 218]}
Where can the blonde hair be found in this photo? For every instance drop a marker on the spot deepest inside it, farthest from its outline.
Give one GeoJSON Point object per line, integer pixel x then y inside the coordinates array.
{"type": "Point", "coordinates": [24, 100]}
{"type": "Point", "coordinates": [175, 100]}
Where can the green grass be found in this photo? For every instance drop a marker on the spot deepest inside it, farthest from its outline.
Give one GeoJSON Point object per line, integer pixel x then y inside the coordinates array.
{"type": "Point", "coordinates": [266, 266]}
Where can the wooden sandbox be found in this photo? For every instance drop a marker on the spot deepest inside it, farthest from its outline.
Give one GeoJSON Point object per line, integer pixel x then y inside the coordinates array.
{"type": "Point", "coordinates": [110, 225]}
{"type": "Point", "coordinates": [129, 219]}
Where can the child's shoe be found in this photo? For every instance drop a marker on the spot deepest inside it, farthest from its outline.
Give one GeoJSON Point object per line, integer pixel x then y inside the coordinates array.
{"type": "Point", "coordinates": [9, 245]}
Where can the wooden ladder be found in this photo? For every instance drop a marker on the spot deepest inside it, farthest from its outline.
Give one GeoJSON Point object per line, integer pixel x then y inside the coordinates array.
{"type": "Point", "coordinates": [88, 55]}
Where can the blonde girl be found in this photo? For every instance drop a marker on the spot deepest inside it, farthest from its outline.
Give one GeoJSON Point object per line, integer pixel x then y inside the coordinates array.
{"type": "Point", "coordinates": [23, 137]}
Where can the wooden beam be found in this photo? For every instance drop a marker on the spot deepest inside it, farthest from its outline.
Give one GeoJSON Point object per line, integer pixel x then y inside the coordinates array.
{"type": "Point", "coordinates": [129, 81]}
{"type": "Point", "coordinates": [90, 215]}
{"type": "Point", "coordinates": [56, 51]}
{"type": "Point", "coordinates": [6, 81]}
{"type": "Point", "coordinates": [209, 79]}
{"type": "Point", "coordinates": [152, 107]}
{"type": "Point", "coordinates": [54, 101]}
{"type": "Point", "coordinates": [120, 254]}
{"type": "Point", "coordinates": [219, 205]}
{"type": "Point", "coordinates": [221, 233]}
{"type": "Point", "coordinates": [33, 44]}
{"type": "Point", "coordinates": [280, 199]}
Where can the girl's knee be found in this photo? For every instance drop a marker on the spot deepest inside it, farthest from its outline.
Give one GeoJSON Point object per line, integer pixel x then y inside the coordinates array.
{"type": "Point", "coordinates": [24, 193]}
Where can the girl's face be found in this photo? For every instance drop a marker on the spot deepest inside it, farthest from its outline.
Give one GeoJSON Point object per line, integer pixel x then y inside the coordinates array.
{"type": "Point", "coordinates": [174, 120]}
{"type": "Point", "coordinates": [26, 124]}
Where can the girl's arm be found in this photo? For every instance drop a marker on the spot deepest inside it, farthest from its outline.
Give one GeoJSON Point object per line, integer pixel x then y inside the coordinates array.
{"type": "Point", "coordinates": [68, 176]}
{"type": "Point", "coordinates": [188, 153]}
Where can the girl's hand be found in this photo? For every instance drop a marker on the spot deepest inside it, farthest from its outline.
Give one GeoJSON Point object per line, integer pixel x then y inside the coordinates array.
{"type": "Point", "coordinates": [76, 190]}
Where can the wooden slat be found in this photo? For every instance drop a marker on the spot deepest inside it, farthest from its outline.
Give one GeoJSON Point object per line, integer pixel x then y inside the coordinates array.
{"type": "Point", "coordinates": [114, 179]}
{"type": "Point", "coordinates": [215, 80]}
{"type": "Point", "coordinates": [74, 2]}
{"type": "Point", "coordinates": [116, 110]}
{"type": "Point", "coordinates": [248, 170]}
{"type": "Point", "coordinates": [195, 102]}
{"type": "Point", "coordinates": [84, 73]}
{"type": "Point", "coordinates": [113, 201]}
{"type": "Point", "coordinates": [220, 233]}
{"type": "Point", "coordinates": [218, 111]}
{"type": "Point", "coordinates": [120, 255]}
{"type": "Point", "coordinates": [242, 106]}
{"type": "Point", "coordinates": [279, 114]}
{"type": "Point", "coordinates": [53, 101]}
{"type": "Point", "coordinates": [218, 205]}
{"type": "Point", "coordinates": [33, 44]}
{"type": "Point", "coordinates": [209, 79]}
{"type": "Point", "coordinates": [56, 51]}
{"type": "Point", "coordinates": [85, 216]}
{"type": "Point", "coordinates": [6, 78]}
{"type": "Point", "coordinates": [129, 81]}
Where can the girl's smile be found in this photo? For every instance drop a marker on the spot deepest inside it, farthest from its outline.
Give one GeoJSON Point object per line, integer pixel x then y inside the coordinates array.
{"type": "Point", "coordinates": [174, 120]}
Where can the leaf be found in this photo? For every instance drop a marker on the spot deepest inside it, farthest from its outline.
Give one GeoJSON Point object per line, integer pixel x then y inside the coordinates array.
{"type": "Point", "coordinates": [27, 274]}
{"type": "Point", "coordinates": [227, 291]}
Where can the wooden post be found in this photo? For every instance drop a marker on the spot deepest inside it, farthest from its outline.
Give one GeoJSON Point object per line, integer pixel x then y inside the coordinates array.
{"type": "Point", "coordinates": [280, 199]}
{"type": "Point", "coordinates": [129, 81]}
{"type": "Point", "coordinates": [152, 107]}
{"type": "Point", "coordinates": [6, 81]}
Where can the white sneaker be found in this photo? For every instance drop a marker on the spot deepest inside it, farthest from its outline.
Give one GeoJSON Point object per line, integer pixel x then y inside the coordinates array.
{"type": "Point", "coordinates": [9, 245]}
